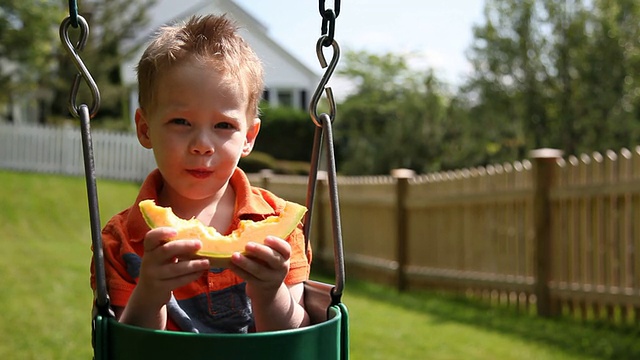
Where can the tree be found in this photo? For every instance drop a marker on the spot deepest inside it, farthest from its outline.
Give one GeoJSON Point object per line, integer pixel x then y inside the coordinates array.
{"type": "Point", "coordinates": [113, 24]}
{"type": "Point", "coordinates": [556, 73]}
{"type": "Point", "coordinates": [611, 75]}
{"type": "Point", "coordinates": [28, 37]}
{"type": "Point", "coordinates": [507, 85]}
{"type": "Point", "coordinates": [33, 61]}
{"type": "Point", "coordinates": [395, 118]}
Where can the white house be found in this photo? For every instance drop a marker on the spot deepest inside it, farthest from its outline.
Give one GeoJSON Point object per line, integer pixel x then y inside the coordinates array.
{"type": "Point", "coordinates": [288, 81]}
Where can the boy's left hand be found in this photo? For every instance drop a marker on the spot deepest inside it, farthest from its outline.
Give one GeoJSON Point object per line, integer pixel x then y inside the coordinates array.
{"type": "Point", "coordinates": [263, 267]}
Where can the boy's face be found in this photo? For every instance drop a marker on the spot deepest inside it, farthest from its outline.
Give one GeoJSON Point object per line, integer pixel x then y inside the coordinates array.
{"type": "Point", "coordinates": [198, 130]}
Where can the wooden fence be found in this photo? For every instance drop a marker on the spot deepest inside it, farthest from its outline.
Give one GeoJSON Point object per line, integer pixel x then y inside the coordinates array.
{"type": "Point", "coordinates": [548, 234]}
{"type": "Point", "coordinates": [552, 235]}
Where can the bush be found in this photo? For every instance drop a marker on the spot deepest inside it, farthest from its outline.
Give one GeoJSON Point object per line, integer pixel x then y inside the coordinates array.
{"type": "Point", "coordinates": [257, 161]}
{"type": "Point", "coordinates": [286, 134]}
{"type": "Point", "coordinates": [289, 167]}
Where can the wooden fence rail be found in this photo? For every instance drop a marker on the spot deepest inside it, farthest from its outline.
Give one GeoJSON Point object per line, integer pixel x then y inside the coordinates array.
{"type": "Point", "coordinates": [548, 234]}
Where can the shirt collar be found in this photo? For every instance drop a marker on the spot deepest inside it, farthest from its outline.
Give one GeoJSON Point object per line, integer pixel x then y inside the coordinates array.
{"type": "Point", "coordinates": [252, 202]}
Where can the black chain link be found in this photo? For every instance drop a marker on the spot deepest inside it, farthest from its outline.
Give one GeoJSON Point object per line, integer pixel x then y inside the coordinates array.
{"type": "Point", "coordinates": [73, 13]}
{"type": "Point", "coordinates": [329, 17]}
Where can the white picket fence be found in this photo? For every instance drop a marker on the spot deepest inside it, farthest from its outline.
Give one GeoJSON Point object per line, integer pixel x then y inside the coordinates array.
{"type": "Point", "coordinates": [59, 150]}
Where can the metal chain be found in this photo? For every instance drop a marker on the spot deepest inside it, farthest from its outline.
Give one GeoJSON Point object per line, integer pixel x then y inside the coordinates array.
{"type": "Point", "coordinates": [329, 17]}
{"type": "Point", "coordinates": [323, 137]}
{"type": "Point", "coordinates": [73, 12]}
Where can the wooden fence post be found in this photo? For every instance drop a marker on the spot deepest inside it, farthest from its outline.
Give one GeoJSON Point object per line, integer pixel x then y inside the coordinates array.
{"type": "Point", "coordinates": [402, 177]}
{"type": "Point", "coordinates": [544, 172]}
{"type": "Point", "coordinates": [265, 177]}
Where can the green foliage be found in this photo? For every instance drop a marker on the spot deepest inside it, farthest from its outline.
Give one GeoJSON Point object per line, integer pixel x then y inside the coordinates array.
{"type": "Point", "coordinates": [28, 38]}
{"type": "Point", "coordinates": [40, 68]}
{"type": "Point", "coordinates": [397, 117]}
{"type": "Point", "coordinates": [258, 160]}
{"type": "Point", "coordinates": [290, 167]}
{"type": "Point", "coordinates": [556, 73]}
{"type": "Point", "coordinates": [547, 73]}
{"type": "Point", "coordinates": [114, 25]}
{"type": "Point", "coordinates": [285, 133]}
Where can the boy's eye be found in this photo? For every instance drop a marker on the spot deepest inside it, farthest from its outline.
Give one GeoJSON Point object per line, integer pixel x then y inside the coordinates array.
{"type": "Point", "coordinates": [224, 125]}
{"type": "Point", "coordinates": [179, 121]}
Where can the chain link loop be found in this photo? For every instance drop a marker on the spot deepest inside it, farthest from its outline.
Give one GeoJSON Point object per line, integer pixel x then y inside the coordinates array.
{"type": "Point", "coordinates": [73, 13]}
{"type": "Point", "coordinates": [322, 85]}
{"type": "Point", "coordinates": [83, 72]}
{"type": "Point", "coordinates": [329, 17]}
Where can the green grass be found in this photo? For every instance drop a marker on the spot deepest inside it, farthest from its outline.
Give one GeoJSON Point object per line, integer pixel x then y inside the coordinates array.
{"type": "Point", "coordinates": [45, 302]}
{"type": "Point", "coordinates": [426, 325]}
{"type": "Point", "coordinates": [45, 299]}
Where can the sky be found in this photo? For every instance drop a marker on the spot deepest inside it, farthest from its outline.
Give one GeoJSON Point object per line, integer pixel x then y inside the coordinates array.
{"type": "Point", "coordinates": [435, 32]}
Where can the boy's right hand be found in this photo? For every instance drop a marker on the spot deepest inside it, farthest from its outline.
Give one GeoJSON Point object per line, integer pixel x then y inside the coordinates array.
{"type": "Point", "coordinates": [167, 265]}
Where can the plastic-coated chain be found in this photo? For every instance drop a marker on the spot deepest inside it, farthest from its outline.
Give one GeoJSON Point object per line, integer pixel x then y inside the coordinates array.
{"type": "Point", "coordinates": [329, 17]}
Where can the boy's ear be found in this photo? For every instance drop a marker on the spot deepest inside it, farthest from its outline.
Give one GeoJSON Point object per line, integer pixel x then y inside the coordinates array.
{"type": "Point", "coordinates": [252, 134]}
{"type": "Point", "coordinates": [142, 129]}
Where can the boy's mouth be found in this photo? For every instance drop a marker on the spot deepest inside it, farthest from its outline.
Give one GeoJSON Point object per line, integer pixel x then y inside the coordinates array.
{"type": "Point", "coordinates": [199, 173]}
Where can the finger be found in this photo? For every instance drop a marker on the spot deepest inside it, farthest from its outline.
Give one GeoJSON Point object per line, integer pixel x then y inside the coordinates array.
{"type": "Point", "coordinates": [160, 252]}
{"type": "Point", "coordinates": [279, 245]}
{"type": "Point", "coordinates": [250, 266]}
{"type": "Point", "coordinates": [263, 255]}
{"type": "Point", "coordinates": [176, 281]}
{"type": "Point", "coordinates": [275, 252]}
{"type": "Point", "coordinates": [272, 247]}
{"type": "Point", "coordinates": [264, 268]}
{"type": "Point", "coordinates": [179, 269]}
{"type": "Point", "coordinates": [238, 264]}
{"type": "Point", "coordinates": [178, 250]}
{"type": "Point", "coordinates": [185, 267]}
{"type": "Point", "coordinates": [157, 237]}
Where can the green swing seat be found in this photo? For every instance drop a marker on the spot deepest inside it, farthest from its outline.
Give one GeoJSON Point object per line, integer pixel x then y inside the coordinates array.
{"type": "Point", "coordinates": [326, 339]}
{"type": "Point", "coordinates": [323, 341]}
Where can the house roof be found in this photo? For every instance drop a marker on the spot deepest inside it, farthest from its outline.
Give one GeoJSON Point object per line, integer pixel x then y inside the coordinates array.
{"type": "Point", "coordinates": [254, 31]}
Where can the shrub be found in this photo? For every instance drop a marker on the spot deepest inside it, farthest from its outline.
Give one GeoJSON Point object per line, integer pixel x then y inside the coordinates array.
{"type": "Point", "coordinates": [286, 134]}
{"type": "Point", "coordinates": [257, 161]}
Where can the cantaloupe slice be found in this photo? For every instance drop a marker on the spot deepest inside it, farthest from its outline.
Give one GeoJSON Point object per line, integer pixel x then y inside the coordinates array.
{"type": "Point", "coordinates": [215, 246]}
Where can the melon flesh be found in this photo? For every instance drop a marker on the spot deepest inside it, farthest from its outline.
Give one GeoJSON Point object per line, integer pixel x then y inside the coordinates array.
{"type": "Point", "coordinates": [216, 245]}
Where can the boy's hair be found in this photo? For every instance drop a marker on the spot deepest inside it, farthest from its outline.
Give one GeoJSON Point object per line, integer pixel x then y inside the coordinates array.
{"type": "Point", "coordinates": [212, 40]}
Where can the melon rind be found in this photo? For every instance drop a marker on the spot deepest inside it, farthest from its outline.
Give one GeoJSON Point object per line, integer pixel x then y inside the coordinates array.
{"type": "Point", "coordinates": [218, 247]}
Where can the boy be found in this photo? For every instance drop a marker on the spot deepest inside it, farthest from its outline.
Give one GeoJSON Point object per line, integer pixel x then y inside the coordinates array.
{"type": "Point", "coordinates": [200, 85]}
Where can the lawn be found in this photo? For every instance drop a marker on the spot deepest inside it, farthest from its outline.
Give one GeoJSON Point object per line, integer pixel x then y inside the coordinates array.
{"type": "Point", "coordinates": [46, 299]}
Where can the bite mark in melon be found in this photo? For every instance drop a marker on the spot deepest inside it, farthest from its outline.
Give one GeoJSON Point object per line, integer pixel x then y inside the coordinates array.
{"type": "Point", "coordinates": [214, 244]}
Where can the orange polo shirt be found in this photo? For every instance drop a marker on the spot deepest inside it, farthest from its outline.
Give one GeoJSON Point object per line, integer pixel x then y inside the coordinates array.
{"type": "Point", "coordinates": [217, 301]}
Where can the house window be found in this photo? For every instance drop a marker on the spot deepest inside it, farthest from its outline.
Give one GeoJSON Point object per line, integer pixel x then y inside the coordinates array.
{"type": "Point", "coordinates": [285, 98]}
{"type": "Point", "coordinates": [304, 102]}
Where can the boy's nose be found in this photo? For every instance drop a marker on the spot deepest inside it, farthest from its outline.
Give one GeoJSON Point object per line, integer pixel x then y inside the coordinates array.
{"type": "Point", "coordinates": [202, 144]}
